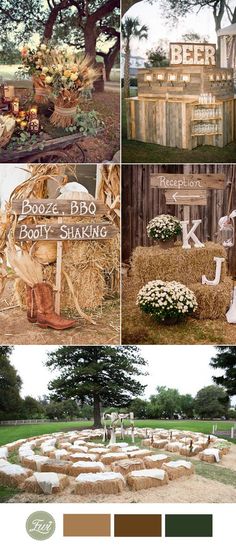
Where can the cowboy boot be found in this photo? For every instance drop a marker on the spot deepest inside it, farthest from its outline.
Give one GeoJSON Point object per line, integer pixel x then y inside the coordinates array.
{"type": "Point", "coordinates": [46, 316]}
{"type": "Point", "coordinates": [31, 305]}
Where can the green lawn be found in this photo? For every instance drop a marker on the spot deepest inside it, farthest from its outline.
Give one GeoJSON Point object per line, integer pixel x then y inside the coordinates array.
{"type": "Point", "coordinates": [137, 152]}
{"type": "Point", "coordinates": [12, 433]}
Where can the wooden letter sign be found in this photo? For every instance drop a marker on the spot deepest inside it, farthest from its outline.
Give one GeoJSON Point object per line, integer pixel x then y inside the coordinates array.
{"type": "Point", "coordinates": [58, 208]}
{"type": "Point", "coordinates": [193, 54]}
{"type": "Point", "coordinates": [179, 181]}
{"type": "Point", "coordinates": [62, 232]}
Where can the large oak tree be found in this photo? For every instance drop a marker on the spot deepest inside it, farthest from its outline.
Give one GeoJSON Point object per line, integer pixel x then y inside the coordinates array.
{"type": "Point", "coordinates": [99, 375]}
{"type": "Point", "coordinates": [84, 23]}
{"type": "Point", "coordinates": [225, 360]}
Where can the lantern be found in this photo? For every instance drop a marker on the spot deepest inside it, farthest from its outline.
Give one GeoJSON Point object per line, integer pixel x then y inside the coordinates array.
{"type": "Point", "coordinates": [15, 106]}
{"type": "Point", "coordinates": [148, 78]}
{"type": "Point", "coordinates": [226, 232]}
{"type": "Point", "coordinates": [160, 77]}
{"type": "Point", "coordinates": [34, 126]}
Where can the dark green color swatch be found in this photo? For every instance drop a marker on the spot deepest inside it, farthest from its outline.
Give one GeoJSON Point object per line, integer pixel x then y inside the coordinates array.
{"type": "Point", "coordinates": [188, 525]}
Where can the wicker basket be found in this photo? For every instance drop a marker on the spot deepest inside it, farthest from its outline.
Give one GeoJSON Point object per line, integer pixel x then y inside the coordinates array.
{"type": "Point", "coordinates": [6, 137]}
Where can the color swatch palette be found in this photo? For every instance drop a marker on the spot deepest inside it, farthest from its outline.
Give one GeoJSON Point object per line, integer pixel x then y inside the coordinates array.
{"type": "Point", "coordinates": [137, 525]}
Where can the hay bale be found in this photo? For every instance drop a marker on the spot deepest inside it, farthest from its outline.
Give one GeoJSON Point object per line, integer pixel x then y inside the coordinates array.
{"type": "Point", "coordinates": [46, 482]}
{"type": "Point", "coordinates": [82, 467]}
{"type": "Point", "coordinates": [159, 444]}
{"type": "Point", "coordinates": [13, 475]}
{"type": "Point", "coordinates": [34, 462]}
{"type": "Point", "coordinates": [173, 446]}
{"type": "Point", "coordinates": [177, 469]}
{"type": "Point", "coordinates": [116, 447]}
{"type": "Point", "coordinates": [98, 451]}
{"type": "Point", "coordinates": [156, 461]}
{"type": "Point", "coordinates": [109, 458]}
{"type": "Point", "coordinates": [89, 265]}
{"type": "Point", "coordinates": [79, 449]}
{"type": "Point", "coordinates": [141, 453]}
{"type": "Point", "coordinates": [145, 479]}
{"type": "Point", "coordinates": [183, 265]}
{"type": "Point", "coordinates": [100, 483]}
{"type": "Point", "coordinates": [190, 451]}
{"type": "Point", "coordinates": [82, 456]}
{"type": "Point", "coordinates": [3, 452]}
{"type": "Point", "coordinates": [146, 442]}
{"type": "Point", "coordinates": [213, 301]}
{"type": "Point", "coordinates": [126, 466]}
{"type": "Point", "coordinates": [58, 466]}
{"type": "Point", "coordinates": [211, 455]}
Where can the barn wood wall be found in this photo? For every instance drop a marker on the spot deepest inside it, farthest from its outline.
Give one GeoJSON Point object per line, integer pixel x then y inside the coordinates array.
{"type": "Point", "coordinates": [141, 203]}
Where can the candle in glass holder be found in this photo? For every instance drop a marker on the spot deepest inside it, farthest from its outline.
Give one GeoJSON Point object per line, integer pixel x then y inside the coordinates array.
{"type": "Point", "coordinates": [15, 106]}
{"type": "Point", "coordinates": [18, 121]}
{"type": "Point", "coordinates": [23, 124]}
{"type": "Point", "coordinates": [218, 77]}
{"type": "Point", "coordinates": [160, 77]}
{"type": "Point", "coordinates": [185, 78]}
{"type": "Point", "coordinates": [223, 76]}
{"type": "Point", "coordinates": [22, 114]}
{"type": "Point", "coordinates": [33, 112]}
{"type": "Point", "coordinates": [211, 78]}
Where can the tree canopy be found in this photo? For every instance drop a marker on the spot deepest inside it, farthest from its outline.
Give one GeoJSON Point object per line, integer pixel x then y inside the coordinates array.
{"type": "Point", "coordinates": [212, 402]}
{"type": "Point", "coordinates": [98, 375]}
{"type": "Point", "coordinates": [86, 24]}
{"type": "Point", "coordinates": [226, 359]}
{"type": "Point", "coordinates": [10, 385]}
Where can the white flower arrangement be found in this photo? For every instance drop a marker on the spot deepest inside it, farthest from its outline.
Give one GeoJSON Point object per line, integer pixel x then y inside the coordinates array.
{"type": "Point", "coordinates": [166, 300]}
{"type": "Point", "coordinates": [164, 227]}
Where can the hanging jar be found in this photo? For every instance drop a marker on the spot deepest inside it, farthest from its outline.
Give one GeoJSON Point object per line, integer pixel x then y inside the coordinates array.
{"type": "Point", "coordinates": [226, 232]}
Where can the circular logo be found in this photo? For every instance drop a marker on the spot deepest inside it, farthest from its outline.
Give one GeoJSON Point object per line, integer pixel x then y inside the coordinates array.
{"type": "Point", "coordinates": [40, 525]}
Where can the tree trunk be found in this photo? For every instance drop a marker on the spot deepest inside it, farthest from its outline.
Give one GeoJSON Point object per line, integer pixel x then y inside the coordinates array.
{"type": "Point", "coordinates": [126, 70]}
{"type": "Point", "coordinates": [96, 411]}
{"type": "Point", "coordinates": [90, 38]}
{"type": "Point", "coordinates": [110, 57]}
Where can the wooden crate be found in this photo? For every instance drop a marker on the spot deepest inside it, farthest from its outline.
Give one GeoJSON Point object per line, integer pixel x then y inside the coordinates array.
{"type": "Point", "coordinates": [169, 122]}
{"type": "Point", "coordinates": [199, 82]}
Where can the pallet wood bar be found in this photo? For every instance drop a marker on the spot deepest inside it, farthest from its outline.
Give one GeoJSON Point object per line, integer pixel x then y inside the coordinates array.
{"type": "Point", "coordinates": [184, 105]}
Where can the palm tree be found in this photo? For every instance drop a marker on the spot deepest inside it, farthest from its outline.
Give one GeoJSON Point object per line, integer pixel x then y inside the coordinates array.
{"type": "Point", "coordinates": [131, 28]}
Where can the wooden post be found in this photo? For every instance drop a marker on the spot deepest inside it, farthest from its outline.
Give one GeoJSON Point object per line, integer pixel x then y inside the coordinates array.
{"type": "Point", "coordinates": [58, 274]}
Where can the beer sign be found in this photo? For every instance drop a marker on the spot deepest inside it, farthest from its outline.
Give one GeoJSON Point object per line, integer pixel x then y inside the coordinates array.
{"type": "Point", "coordinates": [184, 53]}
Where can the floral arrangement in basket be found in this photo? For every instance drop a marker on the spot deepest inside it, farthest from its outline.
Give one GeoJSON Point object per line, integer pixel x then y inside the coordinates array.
{"type": "Point", "coordinates": [166, 301]}
{"type": "Point", "coordinates": [67, 76]}
{"type": "Point", "coordinates": [164, 228]}
{"type": "Point", "coordinates": [35, 63]}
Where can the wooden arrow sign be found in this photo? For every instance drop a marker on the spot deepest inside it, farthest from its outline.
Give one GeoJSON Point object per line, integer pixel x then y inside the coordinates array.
{"type": "Point", "coordinates": [179, 181]}
{"type": "Point", "coordinates": [58, 208]}
{"type": "Point", "coordinates": [63, 232]}
{"type": "Point", "coordinates": [186, 197]}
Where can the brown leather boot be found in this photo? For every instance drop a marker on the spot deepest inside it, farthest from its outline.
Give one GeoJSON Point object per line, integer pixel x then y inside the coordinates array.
{"type": "Point", "coordinates": [31, 305]}
{"type": "Point", "coordinates": [46, 316]}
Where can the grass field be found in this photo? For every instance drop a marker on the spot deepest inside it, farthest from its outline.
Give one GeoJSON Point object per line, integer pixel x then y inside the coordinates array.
{"type": "Point", "coordinates": [137, 152]}
{"type": "Point", "coordinates": [12, 433]}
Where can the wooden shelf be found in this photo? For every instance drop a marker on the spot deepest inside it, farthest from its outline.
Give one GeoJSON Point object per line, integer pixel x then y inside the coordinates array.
{"type": "Point", "coordinates": [205, 134]}
{"type": "Point", "coordinates": [203, 120]}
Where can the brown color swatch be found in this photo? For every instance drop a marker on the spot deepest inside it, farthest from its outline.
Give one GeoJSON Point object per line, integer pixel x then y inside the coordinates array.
{"type": "Point", "coordinates": [86, 525]}
{"type": "Point", "coordinates": [139, 525]}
